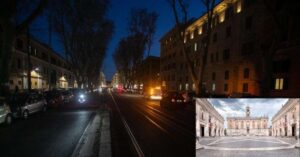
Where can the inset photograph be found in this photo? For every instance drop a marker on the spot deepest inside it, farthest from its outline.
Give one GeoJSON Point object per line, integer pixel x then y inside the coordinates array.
{"type": "Point", "coordinates": [247, 127]}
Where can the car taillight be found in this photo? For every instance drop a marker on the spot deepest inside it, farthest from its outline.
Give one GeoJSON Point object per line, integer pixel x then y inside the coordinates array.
{"type": "Point", "coordinates": [173, 100]}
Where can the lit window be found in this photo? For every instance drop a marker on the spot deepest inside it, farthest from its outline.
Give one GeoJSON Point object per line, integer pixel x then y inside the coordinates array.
{"type": "Point", "coordinates": [200, 30]}
{"type": "Point", "coordinates": [213, 88]}
{"type": "Point", "coordinates": [184, 41]}
{"type": "Point", "coordinates": [180, 87]}
{"type": "Point", "coordinates": [238, 7]}
{"type": "Point", "coordinates": [195, 46]}
{"type": "Point", "coordinates": [222, 17]}
{"type": "Point", "coordinates": [194, 87]}
{"type": "Point", "coordinates": [279, 83]}
{"type": "Point", "coordinates": [186, 86]}
{"type": "Point", "coordinates": [192, 35]}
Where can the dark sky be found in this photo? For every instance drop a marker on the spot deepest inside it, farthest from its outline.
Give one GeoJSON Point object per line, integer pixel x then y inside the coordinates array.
{"type": "Point", "coordinates": [119, 11]}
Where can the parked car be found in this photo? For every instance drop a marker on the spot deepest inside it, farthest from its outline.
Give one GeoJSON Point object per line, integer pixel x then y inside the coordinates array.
{"type": "Point", "coordinates": [173, 100]}
{"type": "Point", "coordinates": [5, 113]}
{"type": "Point", "coordinates": [67, 96]}
{"type": "Point", "coordinates": [54, 98]}
{"type": "Point", "coordinates": [24, 104]}
{"type": "Point", "coordinates": [189, 97]}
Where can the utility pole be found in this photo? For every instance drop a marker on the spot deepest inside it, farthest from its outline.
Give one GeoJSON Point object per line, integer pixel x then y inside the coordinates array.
{"type": "Point", "coordinates": [29, 66]}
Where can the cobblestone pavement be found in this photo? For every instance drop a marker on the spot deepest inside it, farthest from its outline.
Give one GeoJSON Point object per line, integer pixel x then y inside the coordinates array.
{"type": "Point", "coordinates": [248, 147]}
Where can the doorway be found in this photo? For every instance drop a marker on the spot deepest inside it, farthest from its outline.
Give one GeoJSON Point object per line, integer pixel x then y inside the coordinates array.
{"type": "Point", "coordinates": [202, 130]}
{"type": "Point", "coordinates": [294, 130]}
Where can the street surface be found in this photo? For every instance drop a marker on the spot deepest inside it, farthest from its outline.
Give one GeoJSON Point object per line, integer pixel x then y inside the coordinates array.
{"type": "Point", "coordinates": [157, 131]}
{"type": "Point", "coordinates": [54, 133]}
{"type": "Point", "coordinates": [248, 147]}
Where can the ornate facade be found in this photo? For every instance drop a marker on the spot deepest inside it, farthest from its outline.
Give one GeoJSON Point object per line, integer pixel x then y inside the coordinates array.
{"type": "Point", "coordinates": [286, 121]}
{"type": "Point", "coordinates": [208, 121]}
{"type": "Point", "coordinates": [254, 126]}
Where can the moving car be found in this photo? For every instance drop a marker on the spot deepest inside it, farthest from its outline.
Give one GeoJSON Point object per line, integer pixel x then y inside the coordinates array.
{"type": "Point", "coordinates": [173, 100]}
{"type": "Point", "coordinates": [154, 93]}
{"type": "Point", "coordinates": [80, 95]}
{"type": "Point", "coordinates": [5, 113]}
{"type": "Point", "coordinates": [24, 104]}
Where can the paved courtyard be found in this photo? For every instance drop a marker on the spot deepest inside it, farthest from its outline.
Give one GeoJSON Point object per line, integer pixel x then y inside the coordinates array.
{"type": "Point", "coordinates": [248, 147]}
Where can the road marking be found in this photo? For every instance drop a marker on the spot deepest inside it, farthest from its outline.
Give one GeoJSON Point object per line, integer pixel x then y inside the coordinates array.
{"type": "Point", "coordinates": [156, 124]}
{"type": "Point", "coordinates": [82, 139]}
{"type": "Point", "coordinates": [133, 140]}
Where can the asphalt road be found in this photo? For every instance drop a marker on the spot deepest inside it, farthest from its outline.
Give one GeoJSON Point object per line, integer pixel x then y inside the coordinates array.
{"type": "Point", "coordinates": [157, 131]}
{"type": "Point", "coordinates": [53, 133]}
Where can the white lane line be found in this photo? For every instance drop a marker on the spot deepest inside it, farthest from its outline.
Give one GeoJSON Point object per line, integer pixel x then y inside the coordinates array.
{"type": "Point", "coordinates": [156, 124]}
{"type": "Point", "coordinates": [133, 140]}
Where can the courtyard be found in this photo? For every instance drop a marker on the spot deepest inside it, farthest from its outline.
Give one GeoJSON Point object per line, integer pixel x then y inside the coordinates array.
{"type": "Point", "coordinates": [247, 146]}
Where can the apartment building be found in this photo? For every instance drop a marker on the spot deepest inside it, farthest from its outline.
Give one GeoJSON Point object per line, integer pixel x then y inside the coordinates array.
{"type": "Point", "coordinates": [48, 69]}
{"type": "Point", "coordinates": [234, 60]}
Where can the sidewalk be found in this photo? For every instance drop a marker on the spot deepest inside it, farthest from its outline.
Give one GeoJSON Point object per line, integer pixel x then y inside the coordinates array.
{"type": "Point", "coordinates": [96, 139]}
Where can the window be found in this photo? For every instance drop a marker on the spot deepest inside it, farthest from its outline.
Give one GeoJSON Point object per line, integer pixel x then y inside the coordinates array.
{"type": "Point", "coordinates": [245, 87]}
{"type": "Point", "coordinates": [215, 37]}
{"type": "Point", "coordinates": [280, 83]}
{"type": "Point", "coordinates": [226, 54]}
{"type": "Point", "coordinates": [229, 12]}
{"type": "Point", "coordinates": [200, 30]}
{"type": "Point", "coordinates": [195, 46]}
{"type": "Point", "coordinates": [20, 82]}
{"type": "Point", "coordinates": [212, 58]}
{"type": "Point", "coordinates": [225, 87]}
{"type": "Point", "coordinates": [247, 48]}
{"type": "Point", "coordinates": [246, 73]}
{"type": "Point", "coordinates": [213, 76]}
{"type": "Point", "coordinates": [248, 23]}
{"type": "Point", "coordinates": [226, 75]}
{"type": "Point", "coordinates": [192, 35]}
{"type": "Point", "coordinates": [217, 56]}
{"type": "Point", "coordinates": [213, 87]}
{"type": "Point", "coordinates": [19, 63]}
{"type": "Point", "coordinates": [228, 32]}
{"type": "Point", "coordinates": [281, 66]}
{"type": "Point", "coordinates": [19, 44]}
{"type": "Point", "coordinates": [11, 82]}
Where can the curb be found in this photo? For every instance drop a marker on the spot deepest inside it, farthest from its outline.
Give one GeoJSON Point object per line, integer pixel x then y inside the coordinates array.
{"type": "Point", "coordinates": [96, 139]}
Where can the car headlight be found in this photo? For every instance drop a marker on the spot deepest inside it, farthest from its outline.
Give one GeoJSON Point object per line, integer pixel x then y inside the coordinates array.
{"type": "Point", "coordinates": [81, 96]}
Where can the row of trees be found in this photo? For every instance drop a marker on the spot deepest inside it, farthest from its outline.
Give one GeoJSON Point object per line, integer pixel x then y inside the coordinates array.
{"type": "Point", "coordinates": [130, 51]}
{"type": "Point", "coordinates": [85, 32]}
{"type": "Point", "coordinates": [81, 26]}
{"type": "Point", "coordinates": [276, 34]}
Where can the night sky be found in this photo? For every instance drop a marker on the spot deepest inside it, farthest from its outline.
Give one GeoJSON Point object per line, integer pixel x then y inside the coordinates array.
{"type": "Point", "coordinates": [119, 12]}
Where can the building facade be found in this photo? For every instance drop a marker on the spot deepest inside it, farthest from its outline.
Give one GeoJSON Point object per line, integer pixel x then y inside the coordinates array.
{"type": "Point", "coordinates": [150, 72]}
{"type": "Point", "coordinates": [234, 55]}
{"type": "Point", "coordinates": [248, 125]}
{"type": "Point", "coordinates": [208, 121]}
{"type": "Point", "coordinates": [117, 80]}
{"type": "Point", "coordinates": [48, 69]}
{"type": "Point", "coordinates": [287, 121]}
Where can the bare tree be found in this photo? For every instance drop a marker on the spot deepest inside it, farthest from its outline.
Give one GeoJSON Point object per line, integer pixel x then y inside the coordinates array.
{"type": "Point", "coordinates": [143, 22]}
{"type": "Point", "coordinates": [180, 12]}
{"type": "Point", "coordinates": [85, 33]}
{"type": "Point", "coordinates": [13, 22]}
